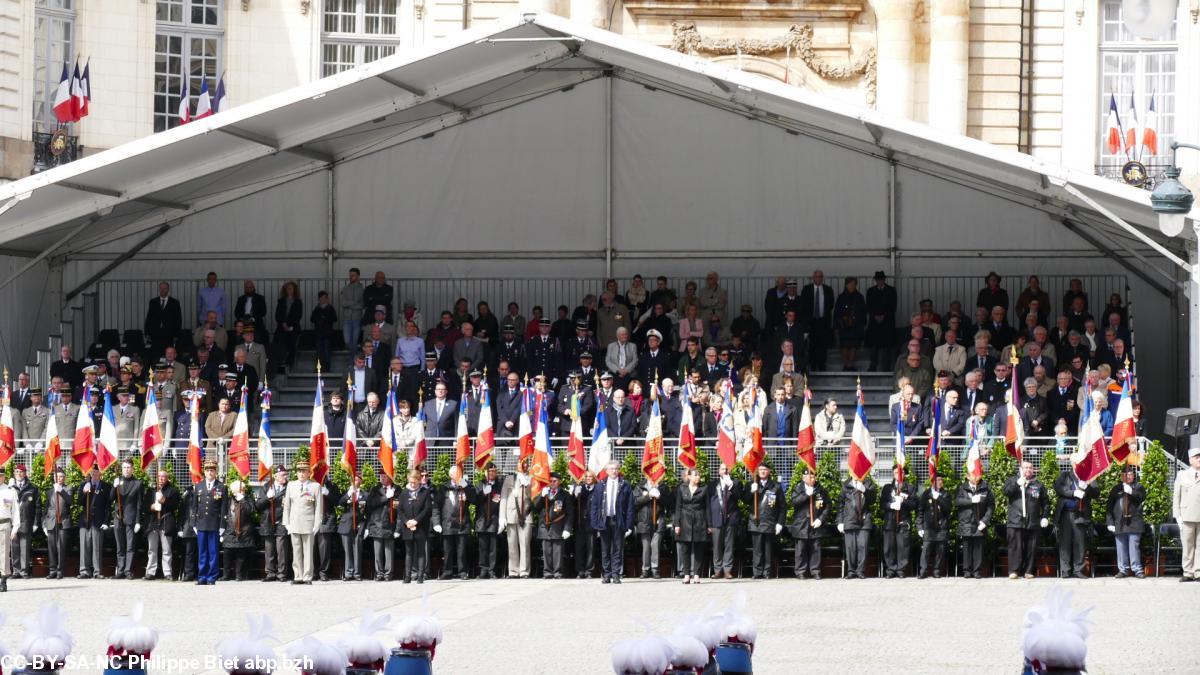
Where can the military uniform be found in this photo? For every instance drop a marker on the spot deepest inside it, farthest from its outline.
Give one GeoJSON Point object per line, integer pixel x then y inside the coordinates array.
{"type": "Point", "coordinates": [650, 507]}
{"type": "Point", "coordinates": [452, 515]}
{"type": "Point", "coordinates": [166, 397]}
{"type": "Point", "coordinates": [1073, 519]}
{"type": "Point", "coordinates": [898, 502]}
{"type": "Point", "coordinates": [766, 511]}
{"type": "Point", "coordinates": [351, 526]}
{"type": "Point", "coordinates": [161, 529]}
{"type": "Point", "coordinates": [587, 407]}
{"type": "Point", "coordinates": [975, 507]}
{"type": "Point", "coordinates": [186, 533]}
{"type": "Point", "coordinates": [555, 513]}
{"type": "Point", "coordinates": [56, 521]}
{"type": "Point", "coordinates": [29, 501]}
{"type": "Point", "coordinates": [65, 417]}
{"type": "Point", "coordinates": [276, 546]}
{"type": "Point", "coordinates": [811, 507]}
{"type": "Point", "coordinates": [208, 513]}
{"type": "Point", "coordinates": [487, 525]}
{"type": "Point", "coordinates": [34, 419]}
{"type": "Point", "coordinates": [514, 353]}
{"type": "Point", "coordinates": [1024, 522]}
{"type": "Point", "coordinates": [129, 504]}
{"type": "Point", "coordinates": [543, 356]}
{"type": "Point", "coordinates": [382, 514]}
{"type": "Point", "coordinates": [10, 520]}
{"type": "Point", "coordinates": [571, 349]}
{"type": "Point", "coordinates": [127, 418]}
{"type": "Point", "coordinates": [256, 356]}
{"type": "Point", "coordinates": [933, 519]}
{"type": "Point", "coordinates": [95, 502]}
{"type": "Point", "coordinates": [238, 540]}
{"type": "Point", "coordinates": [854, 521]}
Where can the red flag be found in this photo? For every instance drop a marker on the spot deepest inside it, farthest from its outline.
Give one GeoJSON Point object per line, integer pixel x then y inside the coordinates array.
{"type": "Point", "coordinates": [152, 440]}
{"type": "Point", "coordinates": [1092, 458]}
{"type": "Point", "coordinates": [862, 447]}
{"type": "Point", "coordinates": [83, 450]}
{"type": "Point", "coordinates": [687, 430]}
{"type": "Point", "coordinates": [726, 438]}
{"type": "Point", "coordinates": [525, 426]}
{"type": "Point", "coordinates": [652, 451]}
{"type": "Point", "coordinates": [53, 444]}
{"type": "Point", "coordinates": [8, 436]}
{"type": "Point", "coordinates": [462, 446]}
{"type": "Point", "coordinates": [1014, 430]}
{"type": "Point", "coordinates": [195, 456]}
{"type": "Point", "coordinates": [350, 439]}
{"type": "Point", "coordinates": [806, 438]}
{"type": "Point", "coordinates": [754, 452]}
{"type": "Point", "coordinates": [318, 446]}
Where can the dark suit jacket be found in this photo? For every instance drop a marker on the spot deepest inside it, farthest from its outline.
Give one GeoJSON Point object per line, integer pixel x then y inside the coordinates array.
{"type": "Point", "coordinates": [508, 409]}
{"type": "Point", "coordinates": [1063, 406]}
{"type": "Point", "coordinates": [989, 365]}
{"type": "Point", "coordinates": [1026, 366]}
{"type": "Point", "coordinates": [599, 503]}
{"type": "Point", "coordinates": [258, 310]}
{"type": "Point", "coordinates": [954, 421]}
{"type": "Point", "coordinates": [444, 426]}
{"type": "Point", "coordinates": [912, 421]}
{"type": "Point", "coordinates": [807, 300]}
{"type": "Point", "coordinates": [791, 421]}
{"type": "Point", "coordinates": [651, 368]}
{"type": "Point", "coordinates": [163, 323]}
{"type": "Point", "coordinates": [627, 423]}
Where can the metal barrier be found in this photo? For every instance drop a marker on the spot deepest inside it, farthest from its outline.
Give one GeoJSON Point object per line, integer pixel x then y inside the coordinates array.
{"type": "Point", "coordinates": [781, 454]}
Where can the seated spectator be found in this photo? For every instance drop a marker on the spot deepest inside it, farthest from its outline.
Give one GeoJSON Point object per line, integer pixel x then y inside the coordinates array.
{"type": "Point", "coordinates": [563, 328]}
{"type": "Point", "coordinates": [1017, 348]}
{"type": "Point", "coordinates": [377, 293]}
{"type": "Point", "coordinates": [638, 296]}
{"type": "Point", "coordinates": [829, 426]}
{"type": "Point", "coordinates": [998, 385]}
{"type": "Point", "coordinates": [1114, 308]}
{"type": "Point", "coordinates": [531, 326]}
{"type": "Point", "coordinates": [716, 334]}
{"type": "Point", "coordinates": [1077, 314]}
{"type": "Point", "coordinates": [1001, 333]}
{"type": "Point", "coordinates": [1041, 336]}
{"type": "Point", "coordinates": [658, 320]}
{"type": "Point", "coordinates": [445, 331]}
{"type": "Point", "coordinates": [586, 311]}
{"type": "Point", "coordinates": [951, 357]}
{"type": "Point", "coordinates": [919, 373]}
{"type": "Point", "coordinates": [689, 298]}
{"type": "Point", "coordinates": [691, 326]}
{"type": "Point", "coordinates": [1058, 334]}
{"type": "Point", "coordinates": [610, 317]}
{"type": "Point", "coordinates": [218, 427]}
{"type": "Point", "coordinates": [663, 295]}
{"type": "Point", "coordinates": [1100, 406]}
{"type": "Point", "coordinates": [1075, 293]}
{"type": "Point", "coordinates": [1091, 339]}
{"type": "Point", "coordinates": [746, 327]}
{"type": "Point", "coordinates": [787, 371]}
{"type": "Point", "coordinates": [250, 305]}
{"type": "Point", "coordinates": [514, 319]}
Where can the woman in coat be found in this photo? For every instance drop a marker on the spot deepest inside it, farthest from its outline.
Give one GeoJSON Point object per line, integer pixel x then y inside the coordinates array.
{"type": "Point", "coordinates": [416, 507]}
{"type": "Point", "coordinates": [238, 540]}
{"type": "Point", "coordinates": [850, 315]}
{"type": "Point", "coordinates": [289, 315]}
{"type": "Point", "coordinates": [691, 524]}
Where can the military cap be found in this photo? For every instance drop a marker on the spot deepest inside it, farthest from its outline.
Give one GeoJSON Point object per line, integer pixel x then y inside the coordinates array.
{"type": "Point", "coordinates": [36, 391]}
{"type": "Point", "coordinates": [653, 333]}
{"type": "Point", "coordinates": [302, 465]}
{"type": "Point", "coordinates": [122, 390]}
{"type": "Point", "coordinates": [431, 355]}
{"type": "Point", "coordinates": [606, 375]}
{"type": "Point", "coordinates": [231, 377]}
{"type": "Point", "coordinates": [581, 324]}
{"type": "Point", "coordinates": [210, 464]}
{"type": "Point", "coordinates": [544, 321]}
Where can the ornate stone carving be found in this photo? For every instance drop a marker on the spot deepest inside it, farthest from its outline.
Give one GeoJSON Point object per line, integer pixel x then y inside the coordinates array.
{"type": "Point", "coordinates": [304, 5]}
{"type": "Point", "coordinates": [687, 39]}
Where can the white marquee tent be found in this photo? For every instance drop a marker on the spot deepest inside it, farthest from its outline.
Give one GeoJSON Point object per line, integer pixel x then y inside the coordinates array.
{"type": "Point", "coordinates": [539, 147]}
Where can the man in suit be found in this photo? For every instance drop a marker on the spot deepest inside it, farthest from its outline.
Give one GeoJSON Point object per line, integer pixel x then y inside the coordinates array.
{"type": "Point", "coordinates": [302, 509]}
{"type": "Point", "coordinates": [906, 410]}
{"type": "Point", "coordinates": [620, 419]}
{"type": "Point", "coordinates": [995, 388]}
{"type": "Point", "coordinates": [554, 509]}
{"type": "Point", "coordinates": [56, 520]}
{"type": "Point", "coordinates": [218, 428]}
{"type": "Point", "coordinates": [351, 527]}
{"type": "Point", "coordinates": [256, 353]}
{"type": "Point", "coordinates": [67, 368]}
{"type": "Point", "coordinates": [365, 380]}
{"type": "Point", "coordinates": [898, 501]}
{"type": "Point", "coordinates": [780, 419]}
{"type": "Point", "coordinates": [488, 503]}
{"type": "Point", "coordinates": [470, 347]}
{"type": "Point", "coordinates": [516, 521]}
{"type": "Point", "coordinates": [208, 504]}
{"type": "Point", "coordinates": [975, 505]}
{"type": "Point", "coordinates": [933, 527]}
{"type": "Point", "coordinates": [251, 307]}
{"type": "Point", "coordinates": [94, 499]}
{"type": "Point", "coordinates": [585, 536]}
{"type": "Point", "coordinates": [791, 331]}
{"type": "Point", "coordinates": [810, 512]}
{"type": "Point", "coordinates": [441, 414]}
{"type": "Point", "coordinates": [954, 418]}
{"type": "Point", "coordinates": [161, 526]}
{"type": "Point", "coordinates": [508, 407]}
{"type": "Point", "coordinates": [272, 527]}
{"type": "Point", "coordinates": [1061, 400]}
{"type": "Point", "coordinates": [1073, 520]}
{"type": "Point", "coordinates": [951, 356]}
{"type": "Point", "coordinates": [129, 506]}
{"type": "Point", "coordinates": [621, 358]}
{"type": "Point", "coordinates": [581, 344]}
{"type": "Point", "coordinates": [816, 308]}
{"type": "Point", "coordinates": [981, 357]}
{"type": "Point", "coordinates": [28, 504]}
{"type": "Point", "coordinates": [164, 319]}
{"type": "Point", "coordinates": [20, 395]}
{"type": "Point", "coordinates": [369, 422]}
{"type": "Point", "coordinates": [611, 508]}
{"type": "Point", "coordinates": [767, 510]}
{"type": "Point", "coordinates": [1185, 508]}
{"type": "Point", "coordinates": [383, 504]}
{"type": "Point", "coordinates": [387, 332]}
{"type": "Point", "coordinates": [854, 522]}
{"type": "Point", "coordinates": [725, 520]}
{"type": "Point", "coordinates": [1032, 360]}
{"type": "Point", "coordinates": [1028, 506]}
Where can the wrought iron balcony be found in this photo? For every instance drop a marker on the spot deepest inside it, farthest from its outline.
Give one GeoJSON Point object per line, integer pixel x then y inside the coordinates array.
{"type": "Point", "coordinates": [53, 148]}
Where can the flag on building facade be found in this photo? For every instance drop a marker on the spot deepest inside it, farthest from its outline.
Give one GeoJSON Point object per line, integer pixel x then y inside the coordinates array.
{"type": "Point", "coordinates": [203, 101]}
{"type": "Point", "coordinates": [1113, 133]}
{"type": "Point", "coordinates": [64, 105]}
{"type": "Point", "coordinates": [219, 99]}
{"type": "Point", "coordinates": [185, 104]}
{"type": "Point", "coordinates": [1150, 128]}
{"type": "Point", "coordinates": [85, 85]}
{"type": "Point", "coordinates": [1131, 128]}
{"type": "Point", "coordinates": [78, 100]}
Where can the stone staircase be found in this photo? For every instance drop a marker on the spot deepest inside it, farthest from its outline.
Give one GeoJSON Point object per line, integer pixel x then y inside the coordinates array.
{"type": "Point", "coordinates": [291, 407]}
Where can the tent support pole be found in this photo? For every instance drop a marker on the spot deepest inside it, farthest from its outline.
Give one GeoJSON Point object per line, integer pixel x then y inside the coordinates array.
{"type": "Point", "coordinates": [118, 261]}
{"type": "Point", "coordinates": [331, 220]}
{"type": "Point", "coordinates": [45, 254]}
{"type": "Point", "coordinates": [608, 221]}
{"type": "Point", "coordinates": [891, 196]}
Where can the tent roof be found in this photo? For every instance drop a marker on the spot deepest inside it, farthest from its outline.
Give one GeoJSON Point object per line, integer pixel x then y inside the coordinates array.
{"type": "Point", "coordinates": [144, 183]}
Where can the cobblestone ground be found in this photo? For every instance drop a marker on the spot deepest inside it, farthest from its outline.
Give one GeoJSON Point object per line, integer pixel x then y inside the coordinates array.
{"type": "Point", "coordinates": [533, 626]}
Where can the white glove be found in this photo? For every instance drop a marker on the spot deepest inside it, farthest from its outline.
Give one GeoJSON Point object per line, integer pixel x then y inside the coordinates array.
{"type": "Point", "coordinates": [324, 491]}
{"type": "Point", "coordinates": [1079, 494]}
{"type": "Point", "coordinates": [860, 486]}
{"type": "Point", "coordinates": [390, 492]}
{"type": "Point", "coordinates": [395, 535]}
{"type": "Point", "coordinates": [816, 523]}
{"type": "Point", "coordinates": [654, 493]}
{"type": "Point", "coordinates": [982, 526]}
{"type": "Point", "coordinates": [841, 528]}
{"type": "Point", "coordinates": [895, 504]}
{"type": "Point", "coordinates": [195, 531]}
{"type": "Point", "coordinates": [437, 528]}
{"type": "Point", "coordinates": [808, 490]}
{"type": "Point", "coordinates": [1045, 522]}
{"type": "Point", "coordinates": [754, 487]}
{"type": "Point", "coordinates": [566, 534]}
{"type": "Point", "coordinates": [104, 528]}
{"type": "Point", "coordinates": [238, 498]}
{"type": "Point", "coordinates": [628, 532]}
{"type": "Point", "coordinates": [975, 499]}
{"type": "Point", "coordinates": [117, 483]}
{"type": "Point", "coordinates": [935, 494]}
{"type": "Point", "coordinates": [156, 507]}
{"type": "Point", "coordinates": [921, 533]}
{"type": "Point", "coordinates": [57, 487]}
{"type": "Point", "coordinates": [1021, 481]}
{"type": "Point", "coordinates": [87, 487]}
{"type": "Point", "coordinates": [179, 533]}
{"type": "Point", "coordinates": [221, 532]}
{"type": "Point", "coordinates": [487, 488]}
{"type": "Point", "coordinates": [545, 491]}
{"type": "Point", "coordinates": [554, 383]}
{"type": "Point", "coordinates": [726, 481]}
{"type": "Point", "coordinates": [137, 527]}
{"type": "Point", "coordinates": [271, 492]}
{"type": "Point", "coordinates": [1128, 488]}
{"type": "Point", "coordinates": [1112, 528]}
{"type": "Point", "coordinates": [778, 528]}
{"type": "Point", "coordinates": [502, 522]}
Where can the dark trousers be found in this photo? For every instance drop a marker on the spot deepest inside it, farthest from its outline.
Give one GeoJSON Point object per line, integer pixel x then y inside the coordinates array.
{"type": "Point", "coordinates": [322, 342]}
{"type": "Point", "coordinates": [126, 544]}
{"type": "Point", "coordinates": [207, 545]}
{"type": "Point", "coordinates": [808, 557]}
{"type": "Point", "coordinates": [692, 558]}
{"type": "Point", "coordinates": [454, 554]}
{"type": "Point", "coordinates": [612, 548]}
{"type": "Point", "coordinates": [325, 548]}
{"type": "Point", "coordinates": [277, 549]}
{"type": "Point", "coordinates": [20, 553]}
{"type": "Point", "coordinates": [723, 542]}
{"type": "Point", "coordinates": [189, 559]}
{"type": "Point", "coordinates": [235, 563]}
{"type": "Point", "coordinates": [818, 343]}
{"type": "Point", "coordinates": [1072, 546]}
{"type": "Point", "coordinates": [416, 553]}
{"type": "Point", "coordinates": [352, 555]}
{"type": "Point", "coordinates": [761, 544]}
{"type": "Point", "coordinates": [56, 541]}
{"type": "Point", "coordinates": [585, 552]}
{"type": "Point", "coordinates": [972, 558]}
{"type": "Point", "coordinates": [856, 551]}
{"type": "Point", "coordinates": [896, 544]}
{"type": "Point", "coordinates": [933, 555]}
{"type": "Point", "coordinates": [881, 358]}
{"type": "Point", "coordinates": [487, 553]}
{"type": "Point", "coordinates": [385, 554]}
{"type": "Point", "coordinates": [552, 553]}
{"type": "Point", "coordinates": [1022, 551]}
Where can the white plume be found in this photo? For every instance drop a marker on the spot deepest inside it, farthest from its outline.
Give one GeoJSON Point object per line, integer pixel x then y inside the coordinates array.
{"type": "Point", "coordinates": [46, 636]}
{"type": "Point", "coordinates": [1055, 635]}
{"type": "Point", "coordinates": [738, 624]}
{"type": "Point", "coordinates": [360, 643]}
{"type": "Point", "coordinates": [317, 657]}
{"type": "Point", "coordinates": [421, 629]}
{"type": "Point", "coordinates": [127, 634]}
{"type": "Point", "coordinates": [708, 631]}
{"type": "Point", "coordinates": [688, 652]}
{"type": "Point", "coordinates": [649, 655]}
{"type": "Point", "coordinates": [252, 648]}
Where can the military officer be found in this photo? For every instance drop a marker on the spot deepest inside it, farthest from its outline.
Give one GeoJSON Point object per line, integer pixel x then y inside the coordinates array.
{"type": "Point", "coordinates": [854, 522]}
{"type": "Point", "coordinates": [276, 546]}
{"type": "Point", "coordinates": [581, 344]}
{"type": "Point", "coordinates": [29, 500]}
{"type": "Point", "coordinates": [554, 510]}
{"type": "Point", "coordinates": [256, 355]}
{"type": "Point", "coordinates": [161, 526]}
{"type": "Point", "coordinates": [237, 535]}
{"type": "Point", "coordinates": [933, 527]}
{"type": "Point", "coordinates": [351, 526]}
{"type": "Point", "coordinates": [1073, 520]}
{"type": "Point", "coordinates": [511, 349]}
{"type": "Point", "coordinates": [765, 499]}
{"type": "Point", "coordinates": [650, 508]}
{"type": "Point", "coordinates": [34, 419]}
{"type": "Point", "coordinates": [383, 504]}
{"type": "Point", "coordinates": [431, 374]}
{"type": "Point", "coordinates": [94, 499]}
{"type": "Point", "coordinates": [56, 520]}
{"type": "Point", "coordinates": [66, 414]}
{"type": "Point", "coordinates": [166, 396]}
{"type": "Point", "coordinates": [898, 500]}
{"type": "Point", "coordinates": [129, 504]}
{"type": "Point", "coordinates": [487, 521]}
{"type": "Point", "coordinates": [208, 513]}
{"type": "Point", "coordinates": [452, 520]}
{"type": "Point", "coordinates": [302, 508]}
{"type": "Point", "coordinates": [587, 403]}
{"type": "Point", "coordinates": [543, 353]}
{"type": "Point", "coordinates": [1027, 508]}
{"type": "Point", "coordinates": [810, 511]}
{"type": "Point", "coordinates": [585, 536]}
{"type": "Point", "coordinates": [127, 417]}
{"type": "Point", "coordinates": [327, 532]}
{"type": "Point", "coordinates": [197, 384]}
{"type": "Point", "coordinates": [975, 505]}
{"type": "Point", "coordinates": [412, 525]}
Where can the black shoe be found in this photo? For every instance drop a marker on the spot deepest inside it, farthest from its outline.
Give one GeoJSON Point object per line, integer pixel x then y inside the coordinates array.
{"type": "Point", "coordinates": [937, 575]}
{"type": "Point", "coordinates": [3, 584]}
{"type": "Point", "coordinates": [323, 577]}
{"type": "Point", "coordinates": [421, 579]}
{"type": "Point", "coordinates": [358, 577]}
{"type": "Point", "coordinates": [445, 576]}
{"type": "Point", "coordinates": [1120, 575]}
{"type": "Point", "coordinates": [187, 578]}
{"type": "Point", "coordinates": [464, 576]}
{"type": "Point", "coordinates": [606, 580]}
{"type": "Point", "coordinates": [922, 575]}
{"type": "Point", "coordinates": [407, 580]}
{"type": "Point", "coordinates": [1080, 575]}
{"type": "Point", "coordinates": [656, 575]}
{"type": "Point", "coordinates": [99, 577]}
{"type": "Point", "coordinates": [296, 582]}
{"type": "Point", "coordinates": [1140, 575]}
{"type": "Point", "coordinates": [266, 578]}
{"type": "Point", "coordinates": [201, 582]}
{"type": "Point", "coordinates": [147, 578]}
{"type": "Point", "coordinates": [977, 575]}
{"type": "Point", "coordinates": [616, 580]}
{"type": "Point", "coordinates": [816, 576]}
{"type": "Point", "coordinates": [1186, 580]}
{"type": "Point", "coordinates": [308, 583]}
{"type": "Point", "coordinates": [899, 575]}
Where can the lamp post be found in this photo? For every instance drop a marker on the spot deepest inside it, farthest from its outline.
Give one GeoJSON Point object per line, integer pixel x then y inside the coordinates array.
{"type": "Point", "coordinates": [1172, 201]}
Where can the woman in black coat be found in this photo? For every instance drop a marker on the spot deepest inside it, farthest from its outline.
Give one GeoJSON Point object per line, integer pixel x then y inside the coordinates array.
{"type": "Point", "coordinates": [238, 540]}
{"type": "Point", "coordinates": [691, 524]}
{"type": "Point", "coordinates": [289, 313]}
{"type": "Point", "coordinates": [416, 507]}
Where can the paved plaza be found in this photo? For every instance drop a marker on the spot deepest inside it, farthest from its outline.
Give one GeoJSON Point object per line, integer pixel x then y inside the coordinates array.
{"type": "Point", "coordinates": [533, 626]}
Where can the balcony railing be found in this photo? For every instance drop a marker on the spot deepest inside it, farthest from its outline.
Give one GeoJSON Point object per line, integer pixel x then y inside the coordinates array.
{"type": "Point", "coordinates": [51, 149]}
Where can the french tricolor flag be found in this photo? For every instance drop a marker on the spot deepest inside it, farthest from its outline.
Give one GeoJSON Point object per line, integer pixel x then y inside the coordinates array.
{"type": "Point", "coordinates": [239, 446]}
{"type": "Point", "coordinates": [203, 101]}
{"type": "Point", "coordinates": [318, 443]}
{"type": "Point", "coordinates": [83, 451]}
{"type": "Point", "coordinates": [862, 446]}
{"type": "Point", "coordinates": [185, 104]}
{"type": "Point", "coordinates": [106, 447]}
{"type": "Point", "coordinates": [64, 107]}
{"type": "Point", "coordinates": [420, 451]}
{"type": "Point", "coordinates": [600, 452]}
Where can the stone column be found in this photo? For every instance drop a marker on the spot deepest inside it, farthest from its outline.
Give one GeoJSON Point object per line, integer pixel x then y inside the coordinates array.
{"type": "Point", "coordinates": [538, 6]}
{"type": "Point", "coordinates": [948, 43]}
{"type": "Point", "coordinates": [894, 33]}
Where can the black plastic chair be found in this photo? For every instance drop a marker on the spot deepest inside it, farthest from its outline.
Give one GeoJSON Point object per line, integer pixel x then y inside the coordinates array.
{"type": "Point", "coordinates": [133, 342]}
{"type": "Point", "coordinates": [1167, 531]}
{"type": "Point", "coordinates": [109, 338]}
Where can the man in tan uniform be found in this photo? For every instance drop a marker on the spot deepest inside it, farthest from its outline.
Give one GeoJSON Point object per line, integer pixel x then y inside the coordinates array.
{"type": "Point", "coordinates": [302, 510]}
{"type": "Point", "coordinates": [1185, 506]}
{"type": "Point", "coordinates": [516, 521]}
{"type": "Point", "coordinates": [10, 523]}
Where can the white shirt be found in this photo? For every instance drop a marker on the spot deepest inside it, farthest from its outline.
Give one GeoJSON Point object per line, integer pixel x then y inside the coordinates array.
{"type": "Point", "coordinates": [611, 493]}
{"type": "Point", "coordinates": [9, 510]}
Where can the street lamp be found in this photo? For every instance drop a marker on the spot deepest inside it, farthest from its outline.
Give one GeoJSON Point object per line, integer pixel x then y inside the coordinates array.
{"type": "Point", "coordinates": [1171, 200]}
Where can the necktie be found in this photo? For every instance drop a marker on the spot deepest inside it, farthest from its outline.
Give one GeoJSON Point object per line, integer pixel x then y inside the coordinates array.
{"type": "Point", "coordinates": [621, 355]}
{"type": "Point", "coordinates": [163, 304]}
